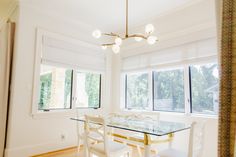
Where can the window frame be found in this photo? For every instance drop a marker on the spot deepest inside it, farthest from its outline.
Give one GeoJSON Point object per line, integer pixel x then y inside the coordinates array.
{"type": "Point", "coordinates": [163, 70]}
{"type": "Point", "coordinates": [125, 91]}
{"type": "Point", "coordinates": [71, 95]}
{"type": "Point", "coordinates": [37, 113]}
{"type": "Point", "coordinates": [190, 87]}
{"type": "Point", "coordinates": [100, 89]}
{"type": "Point", "coordinates": [187, 85]}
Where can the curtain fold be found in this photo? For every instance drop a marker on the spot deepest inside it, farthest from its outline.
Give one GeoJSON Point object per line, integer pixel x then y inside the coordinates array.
{"type": "Point", "coordinates": [6, 48]}
{"type": "Point", "coordinates": [227, 115]}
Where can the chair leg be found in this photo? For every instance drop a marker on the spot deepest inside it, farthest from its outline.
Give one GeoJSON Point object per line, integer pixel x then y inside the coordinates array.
{"type": "Point", "coordinates": [139, 151]}
{"type": "Point", "coordinates": [130, 153]}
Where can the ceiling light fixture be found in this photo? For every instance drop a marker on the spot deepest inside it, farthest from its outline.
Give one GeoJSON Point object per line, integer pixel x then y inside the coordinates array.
{"type": "Point", "coordinates": [118, 39]}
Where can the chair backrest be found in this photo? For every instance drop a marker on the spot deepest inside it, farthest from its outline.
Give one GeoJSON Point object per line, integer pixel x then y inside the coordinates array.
{"type": "Point", "coordinates": [196, 137]}
{"type": "Point", "coordinates": [78, 128]}
{"type": "Point", "coordinates": [191, 138]}
{"type": "Point", "coordinates": [153, 116]}
{"type": "Point", "coordinates": [96, 126]}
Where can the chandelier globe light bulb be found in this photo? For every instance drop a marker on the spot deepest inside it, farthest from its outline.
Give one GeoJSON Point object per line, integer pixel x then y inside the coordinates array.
{"type": "Point", "coordinates": [149, 28]}
{"type": "Point", "coordinates": [118, 41]}
{"type": "Point", "coordinates": [97, 33]}
{"type": "Point", "coordinates": [116, 48]}
{"type": "Point", "coordinates": [151, 40]}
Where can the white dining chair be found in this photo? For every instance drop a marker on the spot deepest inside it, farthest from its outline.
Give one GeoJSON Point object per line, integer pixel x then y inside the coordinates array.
{"type": "Point", "coordinates": [195, 146]}
{"type": "Point", "coordinates": [102, 147]}
{"type": "Point", "coordinates": [81, 133]}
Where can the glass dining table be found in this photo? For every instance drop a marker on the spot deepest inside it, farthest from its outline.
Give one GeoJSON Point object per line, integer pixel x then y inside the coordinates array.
{"type": "Point", "coordinates": [146, 127]}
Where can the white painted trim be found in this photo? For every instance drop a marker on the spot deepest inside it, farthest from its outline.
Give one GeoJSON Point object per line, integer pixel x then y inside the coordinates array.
{"type": "Point", "coordinates": [41, 33]}
{"type": "Point", "coordinates": [89, 26]}
{"type": "Point", "coordinates": [54, 15]}
{"type": "Point", "coordinates": [185, 66]}
{"type": "Point", "coordinates": [30, 150]}
{"type": "Point", "coordinates": [36, 78]}
{"type": "Point", "coordinates": [142, 24]}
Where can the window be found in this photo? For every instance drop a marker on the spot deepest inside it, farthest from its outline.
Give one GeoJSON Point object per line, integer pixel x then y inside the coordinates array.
{"type": "Point", "coordinates": [137, 91]}
{"type": "Point", "coordinates": [204, 88]}
{"type": "Point", "coordinates": [188, 89]}
{"type": "Point", "coordinates": [88, 90]}
{"type": "Point", "coordinates": [168, 90]}
{"type": "Point", "coordinates": [55, 88]}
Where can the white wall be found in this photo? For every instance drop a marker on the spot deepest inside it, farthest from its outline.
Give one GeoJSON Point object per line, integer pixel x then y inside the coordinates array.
{"type": "Point", "coordinates": [196, 23]}
{"type": "Point", "coordinates": [27, 135]}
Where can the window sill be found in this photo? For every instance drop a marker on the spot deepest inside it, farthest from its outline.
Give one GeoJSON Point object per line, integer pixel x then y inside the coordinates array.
{"type": "Point", "coordinates": [53, 113]}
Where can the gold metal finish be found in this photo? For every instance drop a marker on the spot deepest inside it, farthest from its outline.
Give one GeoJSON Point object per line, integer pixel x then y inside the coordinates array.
{"type": "Point", "coordinates": [127, 16]}
{"type": "Point", "coordinates": [146, 140]}
{"type": "Point", "coordinates": [126, 36]}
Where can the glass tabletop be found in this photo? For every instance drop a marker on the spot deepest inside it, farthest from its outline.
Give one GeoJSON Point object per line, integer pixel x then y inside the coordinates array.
{"type": "Point", "coordinates": [151, 127]}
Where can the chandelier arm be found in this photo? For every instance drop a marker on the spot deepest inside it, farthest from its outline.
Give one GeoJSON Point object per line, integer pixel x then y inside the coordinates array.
{"type": "Point", "coordinates": [137, 35]}
{"type": "Point", "coordinates": [110, 44]}
{"type": "Point", "coordinates": [112, 34]}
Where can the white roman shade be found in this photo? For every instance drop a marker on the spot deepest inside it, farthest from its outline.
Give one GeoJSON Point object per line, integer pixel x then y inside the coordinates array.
{"type": "Point", "coordinates": [198, 50]}
{"type": "Point", "coordinates": [72, 53]}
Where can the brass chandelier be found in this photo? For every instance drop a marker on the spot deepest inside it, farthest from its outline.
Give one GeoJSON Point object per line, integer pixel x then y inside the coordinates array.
{"type": "Point", "coordinates": [118, 39]}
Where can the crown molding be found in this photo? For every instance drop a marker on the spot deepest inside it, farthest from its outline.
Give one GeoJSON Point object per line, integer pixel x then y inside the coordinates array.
{"type": "Point", "coordinates": [166, 13]}
{"type": "Point", "coordinates": [11, 8]}
{"type": "Point", "coordinates": [55, 16]}
{"type": "Point", "coordinates": [90, 26]}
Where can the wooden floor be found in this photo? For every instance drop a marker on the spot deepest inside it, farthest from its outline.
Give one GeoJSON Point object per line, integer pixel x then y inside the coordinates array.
{"type": "Point", "coordinates": [73, 152]}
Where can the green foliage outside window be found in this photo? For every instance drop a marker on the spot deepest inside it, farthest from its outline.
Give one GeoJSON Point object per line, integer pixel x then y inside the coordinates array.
{"type": "Point", "coordinates": [137, 91]}
{"type": "Point", "coordinates": [92, 88]}
{"type": "Point", "coordinates": [169, 90]}
{"type": "Point", "coordinates": [205, 88]}
{"type": "Point", "coordinates": [45, 90]}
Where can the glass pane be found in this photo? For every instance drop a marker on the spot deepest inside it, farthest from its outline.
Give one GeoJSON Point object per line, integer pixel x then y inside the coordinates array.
{"type": "Point", "coordinates": [137, 91]}
{"type": "Point", "coordinates": [55, 88]}
{"type": "Point", "coordinates": [88, 90]}
{"type": "Point", "coordinates": [169, 90]}
{"type": "Point", "coordinates": [205, 88]}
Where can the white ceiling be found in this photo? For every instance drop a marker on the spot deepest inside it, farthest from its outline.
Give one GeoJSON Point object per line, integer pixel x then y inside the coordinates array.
{"type": "Point", "coordinates": [109, 15]}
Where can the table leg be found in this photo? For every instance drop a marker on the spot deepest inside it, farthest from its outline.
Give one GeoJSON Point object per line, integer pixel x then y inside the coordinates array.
{"type": "Point", "coordinates": [85, 151]}
{"type": "Point", "coordinates": [147, 145]}
{"type": "Point", "coordinates": [170, 137]}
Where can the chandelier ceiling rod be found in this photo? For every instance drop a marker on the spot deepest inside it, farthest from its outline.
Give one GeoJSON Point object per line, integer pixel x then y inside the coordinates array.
{"type": "Point", "coordinates": [127, 18]}
{"type": "Point", "coordinates": [118, 39]}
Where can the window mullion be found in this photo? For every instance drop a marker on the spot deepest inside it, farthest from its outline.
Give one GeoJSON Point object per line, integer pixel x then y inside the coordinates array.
{"type": "Point", "coordinates": [150, 90]}
{"type": "Point", "coordinates": [187, 90]}
{"type": "Point", "coordinates": [74, 90]}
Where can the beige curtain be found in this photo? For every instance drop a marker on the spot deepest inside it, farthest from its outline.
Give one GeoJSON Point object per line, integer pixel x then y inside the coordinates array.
{"type": "Point", "coordinates": [6, 57]}
{"type": "Point", "coordinates": [227, 118]}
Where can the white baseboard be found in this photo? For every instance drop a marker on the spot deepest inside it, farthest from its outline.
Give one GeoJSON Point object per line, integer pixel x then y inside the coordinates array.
{"type": "Point", "coordinates": [30, 150]}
